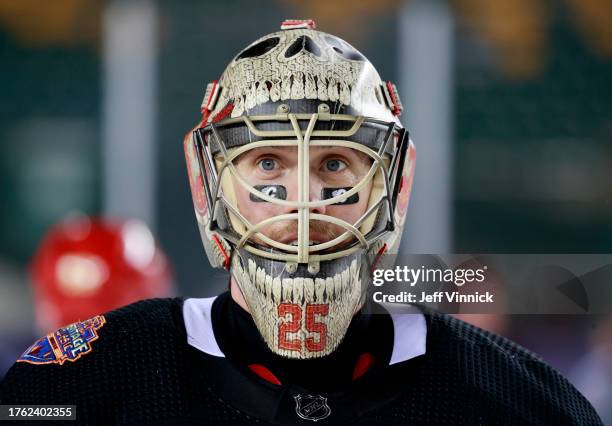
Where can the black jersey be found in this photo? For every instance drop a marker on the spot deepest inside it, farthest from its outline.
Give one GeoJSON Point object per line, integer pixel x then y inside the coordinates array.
{"type": "Point", "coordinates": [146, 363]}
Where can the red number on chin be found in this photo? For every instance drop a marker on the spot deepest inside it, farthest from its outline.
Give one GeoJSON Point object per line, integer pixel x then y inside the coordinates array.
{"type": "Point", "coordinates": [290, 326]}
{"type": "Point", "coordinates": [316, 327]}
{"type": "Point", "coordinates": [294, 323]}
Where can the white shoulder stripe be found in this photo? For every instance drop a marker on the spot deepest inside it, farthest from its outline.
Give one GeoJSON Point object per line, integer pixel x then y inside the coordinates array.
{"type": "Point", "coordinates": [409, 330]}
{"type": "Point", "coordinates": [409, 335]}
{"type": "Point", "coordinates": [198, 323]}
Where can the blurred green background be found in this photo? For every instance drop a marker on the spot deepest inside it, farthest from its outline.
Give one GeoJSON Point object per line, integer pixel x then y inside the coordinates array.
{"type": "Point", "coordinates": [531, 114]}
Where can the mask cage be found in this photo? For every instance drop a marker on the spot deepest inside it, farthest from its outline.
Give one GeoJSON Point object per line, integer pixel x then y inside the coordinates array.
{"type": "Point", "coordinates": [208, 142]}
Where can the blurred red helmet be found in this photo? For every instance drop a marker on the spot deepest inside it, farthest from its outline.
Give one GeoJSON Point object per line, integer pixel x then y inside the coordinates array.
{"type": "Point", "coordinates": [84, 267]}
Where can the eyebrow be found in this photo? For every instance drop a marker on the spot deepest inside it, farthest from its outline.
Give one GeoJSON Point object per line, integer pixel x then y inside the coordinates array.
{"type": "Point", "coordinates": [362, 156]}
{"type": "Point", "coordinates": [324, 147]}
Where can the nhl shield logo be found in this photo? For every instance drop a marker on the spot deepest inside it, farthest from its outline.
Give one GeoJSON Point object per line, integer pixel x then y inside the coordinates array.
{"type": "Point", "coordinates": [310, 407]}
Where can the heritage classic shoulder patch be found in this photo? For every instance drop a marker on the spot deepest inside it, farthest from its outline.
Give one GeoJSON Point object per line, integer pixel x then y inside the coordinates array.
{"type": "Point", "coordinates": [66, 344]}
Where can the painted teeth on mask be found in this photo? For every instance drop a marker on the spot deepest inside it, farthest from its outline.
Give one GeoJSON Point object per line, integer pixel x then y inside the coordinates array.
{"type": "Point", "coordinates": [303, 290]}
{"type": "Point", "coordinates": [308, 290]}
{"type": "Point", "coordinates": [261, 279]}
{"type": "Point", "coordinates": [298, 291]}
{"type": "Point", "coordinates": [319, 286]}
{"type": "Point", "coordinates": [345, 280]}
{"type": "Point", "coordinates": [266, 293]}
{"type": "Point", "coordinates": [354, 270]}
{"type": "Point", "coordinates": [337, 286]}
{"type": "Point", "coordinates": [268, 286]}
{"type": "Point", "coordinates": [329, 288]}
{"type": "Point", "coordinates": [287, 291]}
{"type": "Point", "coordinates": [252, 270]}
{"type": "Point", "coordinates": [276, 290]}
{"type": "Point", "coordinates": [276, 283]}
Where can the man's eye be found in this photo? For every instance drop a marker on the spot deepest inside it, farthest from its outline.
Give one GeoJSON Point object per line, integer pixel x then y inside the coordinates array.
{"type": "Point", "coordinates": [334, 165]}
{"type": "Point", "coordinates": [267, 164]}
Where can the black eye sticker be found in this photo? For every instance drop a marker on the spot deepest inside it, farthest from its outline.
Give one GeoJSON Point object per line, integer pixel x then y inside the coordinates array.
{"type": "Point", "coordinates": [302, 43]}
{"type": "Point", "coordinates": [259, 48]}
{"type": "Point", "coordinates": [274, 191]}
{"type": "Point", "coordinates": [328, 193]}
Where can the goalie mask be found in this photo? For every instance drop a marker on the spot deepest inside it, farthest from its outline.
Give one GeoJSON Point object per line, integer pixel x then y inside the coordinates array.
{"type": "Point", "coordinates": [300, 172]}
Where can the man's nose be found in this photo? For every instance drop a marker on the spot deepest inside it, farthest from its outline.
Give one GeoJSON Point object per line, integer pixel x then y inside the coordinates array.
{"type": "Point", "coordinates": [315, 187]}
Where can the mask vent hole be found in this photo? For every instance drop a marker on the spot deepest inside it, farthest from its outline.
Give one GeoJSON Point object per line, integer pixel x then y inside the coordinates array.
{"type": "Point", "coordinates": [343, 49]}
{"type": "Point", "coordinates": [259, 49]}
{"type": "Point", "coordinates": [302, 43]}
